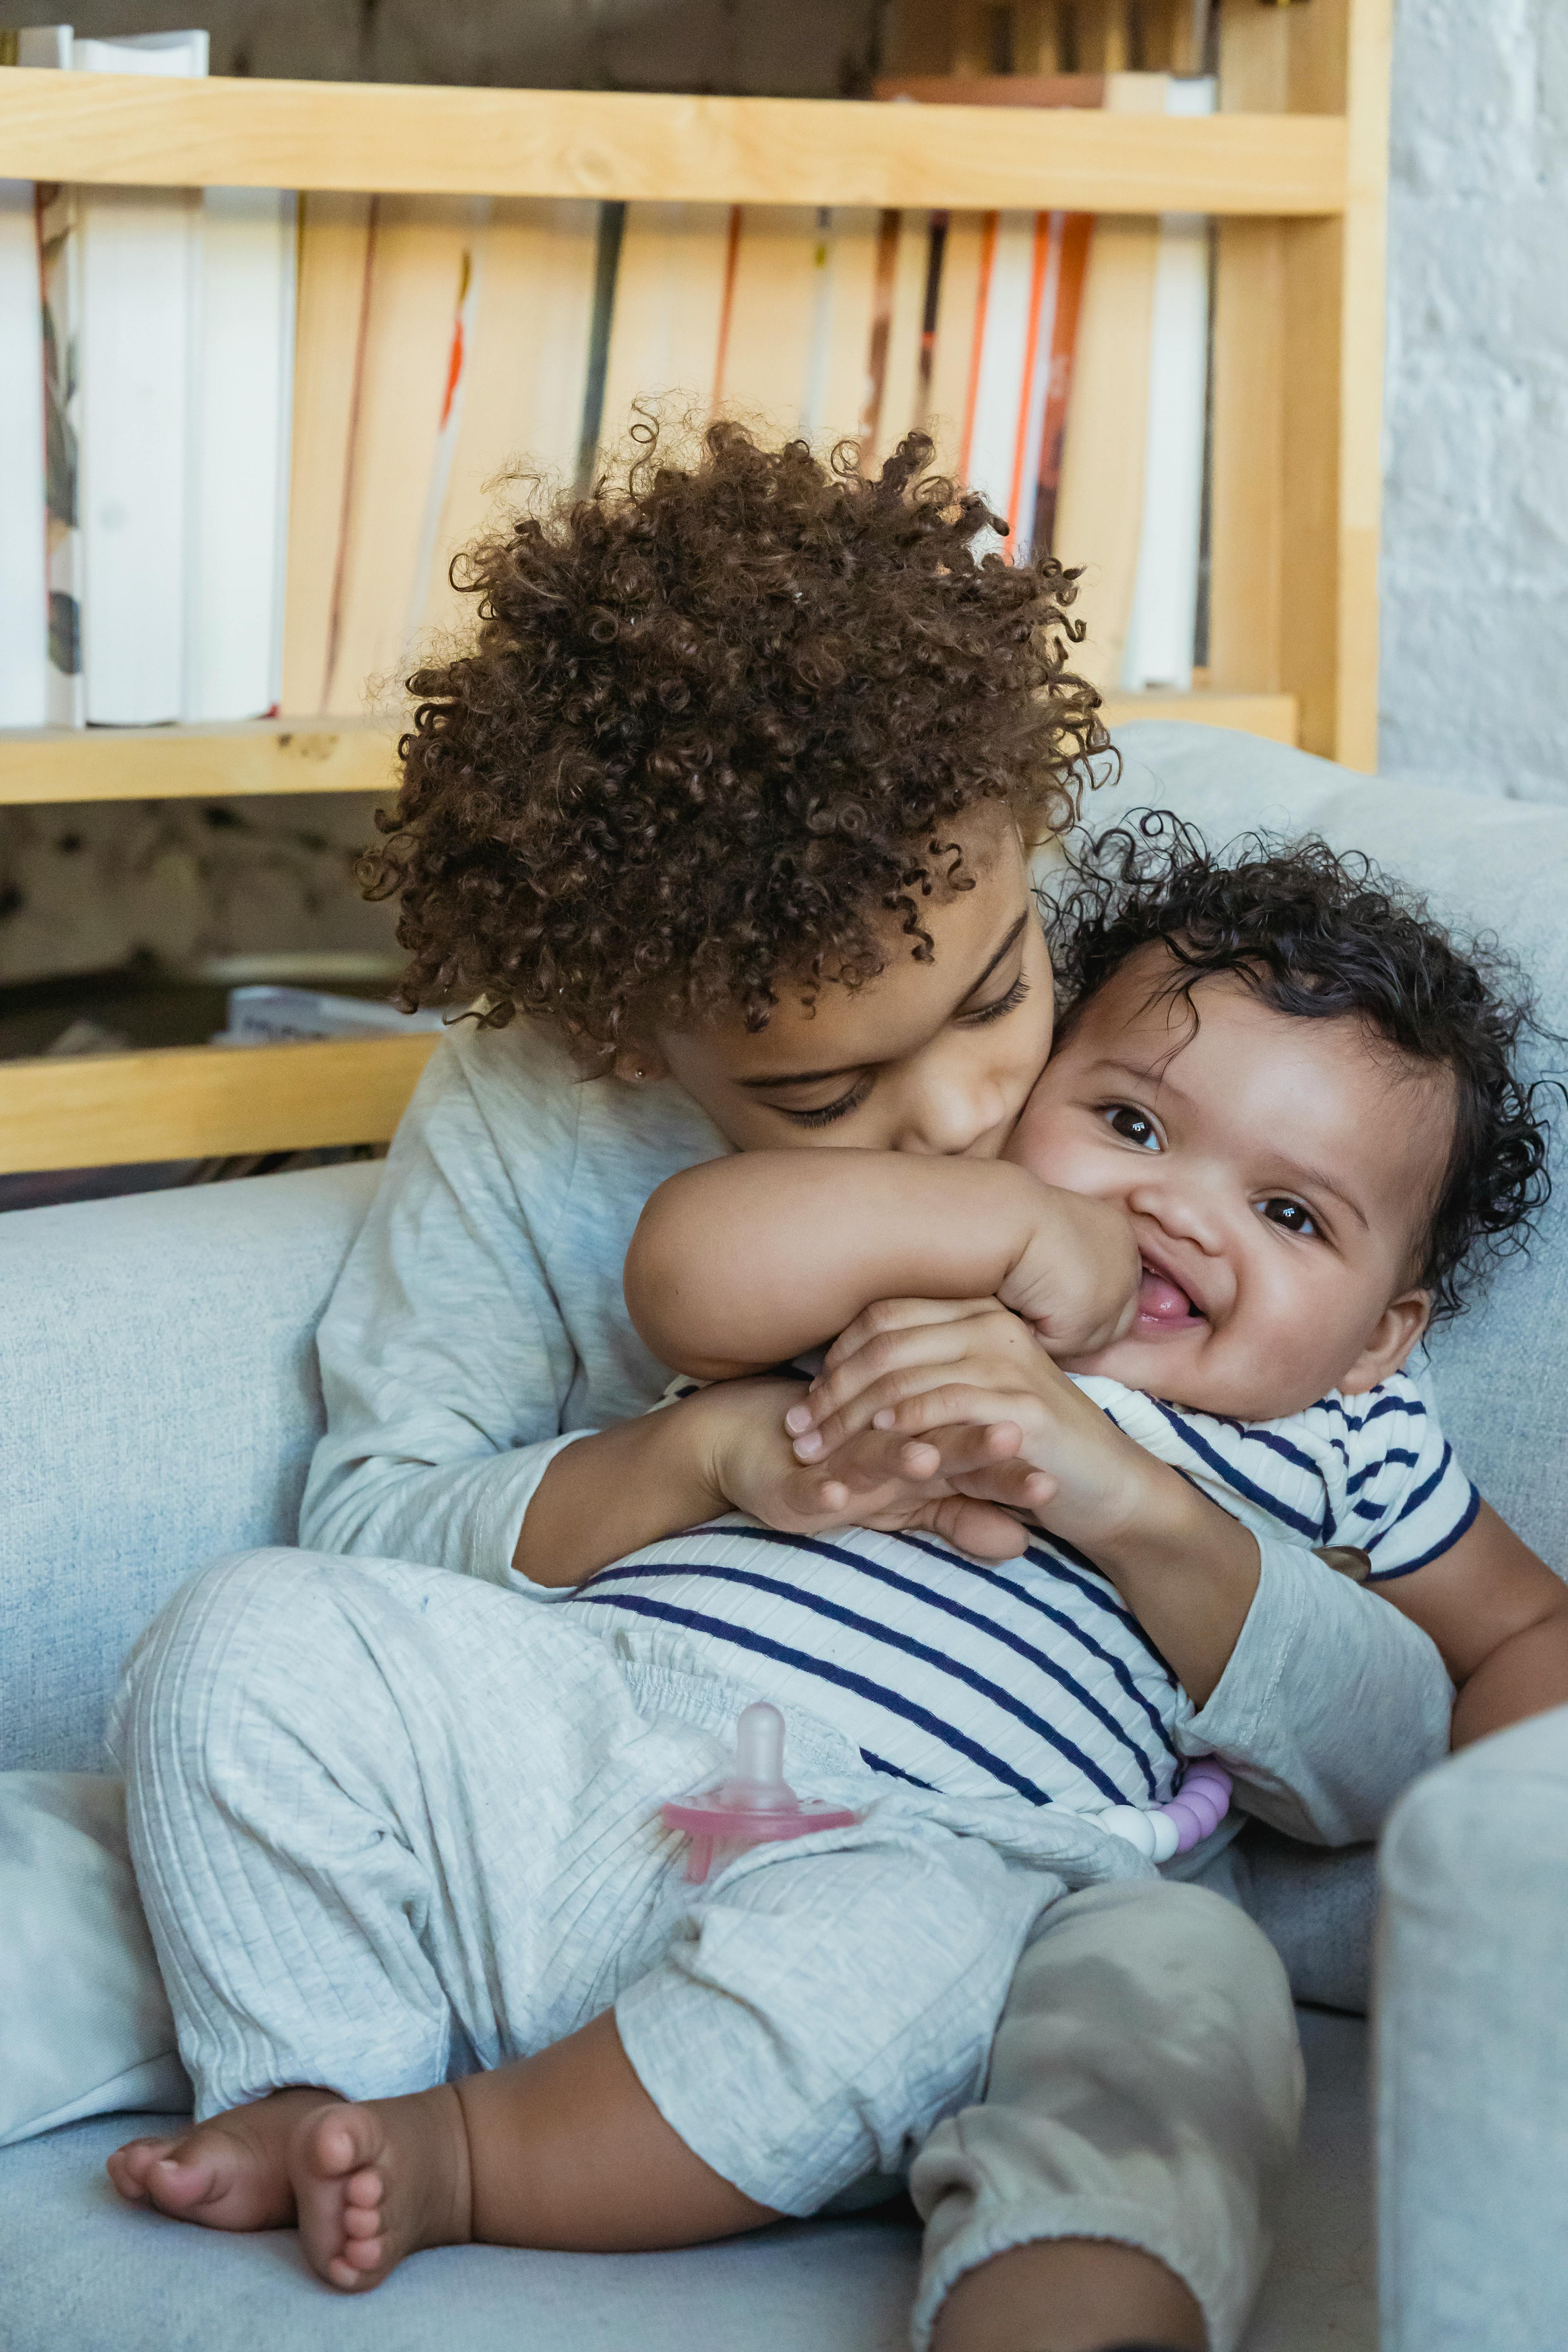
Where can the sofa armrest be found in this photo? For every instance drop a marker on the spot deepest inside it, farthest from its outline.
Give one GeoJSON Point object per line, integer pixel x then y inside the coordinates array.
{"type": "Point", "coordinates": [1472, 2061]}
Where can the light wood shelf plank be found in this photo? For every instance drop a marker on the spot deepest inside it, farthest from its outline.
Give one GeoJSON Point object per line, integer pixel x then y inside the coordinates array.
{"type": "Point", "coordinates": [1270, 715]}
{"type": "Point", "coordinates": [196, 1102]}
{"type": "Point", "coordinates": [146, 132]}
{"type": "Point", "coordinates": [62, 765]}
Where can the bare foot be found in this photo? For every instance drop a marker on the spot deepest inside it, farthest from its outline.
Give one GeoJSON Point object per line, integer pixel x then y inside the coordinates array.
{"type": "Point", "coordinates": [229, 2173]}
{"type": "Point", "coordinates": [374, 2182]}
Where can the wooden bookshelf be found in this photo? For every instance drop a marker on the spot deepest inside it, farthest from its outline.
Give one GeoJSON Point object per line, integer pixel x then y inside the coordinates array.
{"type": "Point", "coordinates": [59, 764]}
{"type": "Point", "coordinates": [199, 1102]}
{"type": "Point", "coordinates": [1292, 170]}
{"type": "Point", "coordinates": [758, 151]}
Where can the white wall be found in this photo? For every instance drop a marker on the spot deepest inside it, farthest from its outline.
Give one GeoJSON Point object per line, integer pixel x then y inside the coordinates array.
{"type": "Point", "coordinates": [1475, 570]}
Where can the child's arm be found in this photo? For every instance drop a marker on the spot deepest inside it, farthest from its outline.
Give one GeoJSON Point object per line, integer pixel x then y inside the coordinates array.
{"type": "Point", "coordinates": [741, 1263]}
{"type": "Point", "coordinates": [1497, 1613]}
{"type": "Point", "coordinates": [1499, 1617]}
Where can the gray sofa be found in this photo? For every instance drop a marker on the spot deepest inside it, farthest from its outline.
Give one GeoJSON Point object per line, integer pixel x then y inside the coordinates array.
{"type": "Point", "coordinates": [158, 1403]}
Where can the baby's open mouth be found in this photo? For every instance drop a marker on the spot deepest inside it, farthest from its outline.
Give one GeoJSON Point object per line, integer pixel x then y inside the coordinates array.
{"type": "Point", "coordinates": [1165, 1306]}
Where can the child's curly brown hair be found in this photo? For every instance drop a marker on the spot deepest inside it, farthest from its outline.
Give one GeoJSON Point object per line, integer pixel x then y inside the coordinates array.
{"type": "Point", "coordinates": [714, 726]}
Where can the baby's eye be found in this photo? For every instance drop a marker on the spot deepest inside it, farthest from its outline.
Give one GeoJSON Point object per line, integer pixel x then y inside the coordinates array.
{"type": "Point", "coordinates": [1133, 1126]}
{"type": "Point", "coordinates": [1289, 1214]}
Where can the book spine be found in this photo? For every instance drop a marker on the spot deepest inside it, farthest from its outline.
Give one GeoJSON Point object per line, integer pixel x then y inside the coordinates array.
{"type": "Point", "coordinates": [23, 638]}
{"type": "Point", "coordinates": [59, 257]}
{"type": "Point", "coordinates": [239, 452]}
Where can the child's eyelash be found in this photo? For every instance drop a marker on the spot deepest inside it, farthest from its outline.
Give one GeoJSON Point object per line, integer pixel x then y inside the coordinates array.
{"type": "Point", "coordinates": [1008, 1004]}
{"type": "Point", "coordinates": [830, 1111]}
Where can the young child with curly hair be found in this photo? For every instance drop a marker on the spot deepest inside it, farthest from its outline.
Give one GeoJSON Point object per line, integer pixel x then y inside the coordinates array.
{"type": "Point", "coordinates": [732, 800]}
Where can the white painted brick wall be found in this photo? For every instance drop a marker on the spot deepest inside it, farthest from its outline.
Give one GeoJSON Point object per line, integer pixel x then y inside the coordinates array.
{"type": "Point", "coordinates": [1474, 518]}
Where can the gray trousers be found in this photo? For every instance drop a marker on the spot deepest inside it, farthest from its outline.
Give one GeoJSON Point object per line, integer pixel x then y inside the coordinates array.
{"type": "Point", "coordinates": [388, 1823]}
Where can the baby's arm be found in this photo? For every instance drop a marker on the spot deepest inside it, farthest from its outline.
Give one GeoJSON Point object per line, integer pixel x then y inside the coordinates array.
{"type": "Point", "coordinates": [1499, 1617]}
{"type": "Point", "coordinates": [741, 1263]}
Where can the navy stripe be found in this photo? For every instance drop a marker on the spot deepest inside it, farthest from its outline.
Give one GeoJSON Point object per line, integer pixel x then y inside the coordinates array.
{"type": "Point", "coordinates": [1087, 1641]}
{"type": "Point", "coordinates": [1423, 1493]}
{"type": "Point", "coordinates": [1409, 1567]}
{"type": "Point", "coordinates": [1232, 1477]}
{"type": "Point", "coordinates": [1280, 1445]}
{"type": "Point", "coordinates": [987, 1625]}
{"type": "Point", "coordinates": [1413, 1406]}
{"type": "Point", "coordinates": [830, 1609]}
{"type": "Point", "coordinates": [893, 1701]}
{"type": "Point", "coordinates": [1395, 1453]}
{"type": "Point", "coordinates": [894, 1772]}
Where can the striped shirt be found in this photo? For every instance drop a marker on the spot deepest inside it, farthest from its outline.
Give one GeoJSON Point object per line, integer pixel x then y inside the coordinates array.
{"type": "Point", "coordinates": [1030, 1680]}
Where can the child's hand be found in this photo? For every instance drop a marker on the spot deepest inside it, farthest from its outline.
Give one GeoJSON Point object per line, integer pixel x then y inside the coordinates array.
{"type": "Point", "coordinates": [928, 1378]}
{"type": "Point", "coordinates": [751, 1467]}
{"type": "Point", "coordinates": [1075, 1282]}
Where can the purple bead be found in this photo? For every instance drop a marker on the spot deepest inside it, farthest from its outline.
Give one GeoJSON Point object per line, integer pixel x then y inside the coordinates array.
{"type": "Point", "coordinates": [1207, 1776]}
{"type": "Point", "coordinates": [1208, 1809]}
{"type": "Point", "coordinates": [1189, 1828]}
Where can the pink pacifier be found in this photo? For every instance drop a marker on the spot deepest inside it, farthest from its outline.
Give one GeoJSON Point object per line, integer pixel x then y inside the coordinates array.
{"type": "Point", "coordinates": [756, 1804]}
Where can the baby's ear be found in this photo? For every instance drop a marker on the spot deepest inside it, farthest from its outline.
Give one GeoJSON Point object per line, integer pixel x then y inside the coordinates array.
{"type": "Point", "coordinates": [1390, 1343]}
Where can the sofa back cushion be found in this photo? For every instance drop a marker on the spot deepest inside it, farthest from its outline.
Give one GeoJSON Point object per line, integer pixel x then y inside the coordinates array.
{"type": "Point", "coordinates": [158, 1404]}
{"type": "Point", "coordinates": [1499, 1372]}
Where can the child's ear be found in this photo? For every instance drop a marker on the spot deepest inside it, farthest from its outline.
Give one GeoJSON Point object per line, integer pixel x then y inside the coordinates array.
{"type": "Point", "coordinates": [1395, 1334]}
{"type": "Point", "coordinates": [641, 1065]}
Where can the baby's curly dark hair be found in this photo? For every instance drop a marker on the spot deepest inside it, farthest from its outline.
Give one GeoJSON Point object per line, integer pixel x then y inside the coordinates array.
{"type": "Point", "coordinates": [714, 728]}
{"type": "Point", "coordinates": [1326, 937]}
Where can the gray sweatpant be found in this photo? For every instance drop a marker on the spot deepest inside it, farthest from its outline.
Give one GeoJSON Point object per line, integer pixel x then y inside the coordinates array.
{"type": "Point", "coordinates": [390, 1824]}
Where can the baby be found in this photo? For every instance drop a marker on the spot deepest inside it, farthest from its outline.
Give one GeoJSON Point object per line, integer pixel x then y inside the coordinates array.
{"type": "Point", "coordinates": [1293, 1105]}
{"type": "Point", "coordinates": [1299, 1098]}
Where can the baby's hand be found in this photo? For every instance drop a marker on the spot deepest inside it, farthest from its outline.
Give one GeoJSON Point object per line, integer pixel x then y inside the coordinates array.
{"type": "Point", "coordinates": [929, 1376]}
{"type": "Point", "coordinates": [752, 1467]}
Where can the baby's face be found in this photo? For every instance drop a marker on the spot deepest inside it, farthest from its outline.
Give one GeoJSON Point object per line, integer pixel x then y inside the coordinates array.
{"type": "Point", "coordinates": [1277, 1172]}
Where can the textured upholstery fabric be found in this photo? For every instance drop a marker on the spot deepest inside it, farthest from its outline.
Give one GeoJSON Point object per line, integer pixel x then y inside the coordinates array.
{"type": "Point", "coordinates": [82, 2273]}
{"type": "Point", "coordinates": [1473, 2051]}
{"type": "Point", "coordinates": [85, 2027]}
{"type": "Point", "coordinates": [158, 1404]}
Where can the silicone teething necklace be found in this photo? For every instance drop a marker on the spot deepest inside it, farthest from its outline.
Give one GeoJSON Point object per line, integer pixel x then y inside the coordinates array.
{"type": "Point", "coordinates": [1175, 1828]}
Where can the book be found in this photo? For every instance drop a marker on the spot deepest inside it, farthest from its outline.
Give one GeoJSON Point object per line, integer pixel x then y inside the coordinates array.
{"type": "Point", "coordinates": [1161, 628]}
{"type": "Point", "coordinates": [421, 263]}
{"type": "Point", "coordinates": [24, 546]}
{"type": "Point", "coordinates": [138, 260]}
{"type": "Point", "coordinates": [333, 279]}
{"type": "Point", "coordinates": [49, 46]}
{"type": "Point", "coordinates": [523, 379]}
{"type": "Point", "coordinates": [674, 283]}
{"type": "Point", "coordinates": [237, 485]}
{"type": "Point", "coordinates": [1100, 500]}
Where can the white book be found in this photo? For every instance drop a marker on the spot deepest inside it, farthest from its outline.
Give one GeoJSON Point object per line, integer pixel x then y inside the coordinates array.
{"type": "Point", "coordinates": [139, 257]}
{"type": "Point", "coordinates": [44, 46]}
{"type": "Point", "coordinates": [24, 559]}
{"type": "Point", "coordinates": [236, 487]}
{"type": "Point", "coordinates": [1159, 630]}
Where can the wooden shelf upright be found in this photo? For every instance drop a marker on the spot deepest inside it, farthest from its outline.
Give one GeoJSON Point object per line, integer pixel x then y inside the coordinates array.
{"type": "Point", "coordinates": [1292, 169]}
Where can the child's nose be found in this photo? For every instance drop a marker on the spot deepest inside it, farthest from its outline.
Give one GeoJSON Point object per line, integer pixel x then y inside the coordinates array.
{"type": "Point", "coordinates": [946, 1118]}
{"type": "Point", "coordinates": [1183, 1210]}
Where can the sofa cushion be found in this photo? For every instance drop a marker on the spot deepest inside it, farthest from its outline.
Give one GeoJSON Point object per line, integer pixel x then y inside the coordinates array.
{"type": "Point", "coordinates": [1500, 1371]}
{"type": "Point", "coordinates": [158, 1404]}
{"type": "Point", "coordinates": [85, 2027]}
